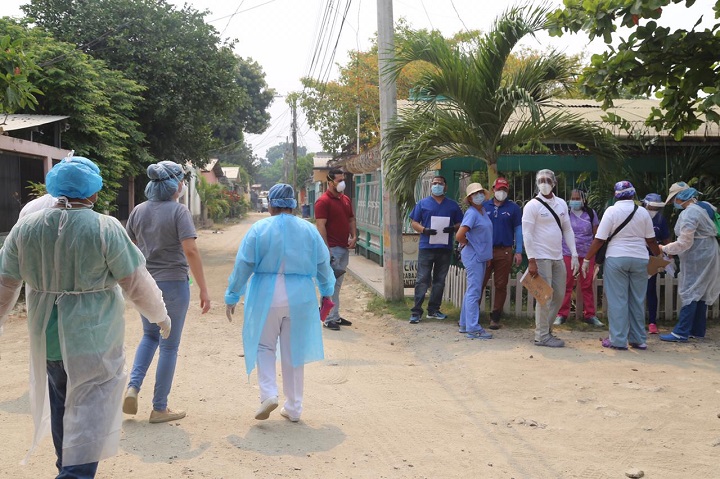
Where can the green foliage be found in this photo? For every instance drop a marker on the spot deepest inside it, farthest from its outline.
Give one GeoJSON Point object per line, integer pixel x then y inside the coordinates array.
{"type": "Point", "coordinates": [16, 92]}
{"type": "Point", "coordinates": [36, 189]}
{"type": "Point", "coordinates": [680, 67]}
{"type": "Point", "coordinates": [100, 103]}
{"type": "Point", "coordinates": [194, 87]}
{"type": "Point", "coordinates": [238, 206]}
{"type": "Point", "coordinates": [476, 108]}
{"type": "Point", "coordinates": [213, 200]}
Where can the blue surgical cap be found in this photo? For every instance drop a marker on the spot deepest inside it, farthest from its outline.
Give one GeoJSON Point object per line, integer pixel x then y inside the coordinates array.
{"type": "Point", "coordinates": [685, 195]}
{"type": "Point", "coordinates": [282, 196]}
{"type": "Point", "coordinates": [164, 180]}
{"type": "Point", "coordinates": [74, 177]}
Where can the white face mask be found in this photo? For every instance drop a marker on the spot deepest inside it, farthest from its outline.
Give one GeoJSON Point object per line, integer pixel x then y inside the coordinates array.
{"type": "Point", "coordinates": [478, 199]}
{"type": "Point", "coordinates": [183, 191]}
{"type": "Point", "coordinates": [340, 186]}
{"type": "Point", "coordinates": [545, 188]}
{"type": "Point", "coordinates": [500, 195]}
{"type": "Point", "coordinates": [653, 213]}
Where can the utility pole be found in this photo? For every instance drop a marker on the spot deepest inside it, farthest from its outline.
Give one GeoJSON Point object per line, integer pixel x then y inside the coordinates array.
{"type": "Point", "coordinates": [293, 98]}
{"type": "Point", "coordinates": [392, 232]}
{"type": "Point", "coordinates": [286, 160]}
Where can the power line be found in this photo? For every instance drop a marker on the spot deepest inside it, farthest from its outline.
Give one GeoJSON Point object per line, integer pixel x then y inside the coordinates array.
{"type": "Point", "coordinates": [458, 15]}
{"type": "Point", "coordinates": [426, 14]}
{"type": "Point", "coordinates": [241, 11]}
{"type": "Point", "coordinates": [231, 17]}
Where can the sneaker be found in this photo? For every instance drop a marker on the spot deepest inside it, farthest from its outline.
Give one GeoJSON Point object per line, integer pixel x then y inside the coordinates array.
{"type": "Point", "coordinates": [594, 321]}
{"type": "Point", "coordinates": [286, 415]}
{"type": "Point", "coordinates": [165, 416]}
{"type": "Point", "coordinates": [462, 331]}
{"type": "Point", "coordinates": [673, 338]}
{"type": "Point", "coordinates": [551, 342]}
{"type": "Point", "coordinates": [495, 324]}
{"type": "Point", "coordinates": [266, 407]}
{"type": "Point", "coordinates": [482, 334]}
{"type": "Point", "coordinates": [607, 344]}
{"type": "Point", "coordinates": [332, 325]}
{"type": "Point", "coordinates": [414, 319]}
{"type": "Point", "coordinates": [640, 346]}
{"type": "Point", "coordinates": [344, 322]}
{"type": "Point", "coordinates": [652, 328]}
{"type": "Point", "coordinates": [130, 403]}
{"type": "Point", "coordinates": [436, 315]}
{"type": "Point", "coordinates": [559, 320]}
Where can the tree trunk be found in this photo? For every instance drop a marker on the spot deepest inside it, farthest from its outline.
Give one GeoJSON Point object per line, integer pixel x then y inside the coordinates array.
{"type": "Point", "coordinates": [492, 174]}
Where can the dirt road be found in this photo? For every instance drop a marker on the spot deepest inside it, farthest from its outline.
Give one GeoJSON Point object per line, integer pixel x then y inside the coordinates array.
{"type": "Point", "coordinates": [398, 401]}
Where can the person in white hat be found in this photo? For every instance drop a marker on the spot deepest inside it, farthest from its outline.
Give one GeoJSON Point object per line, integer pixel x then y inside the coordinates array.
{"type": "Point", "coordinates": [476, 237]}
{"type": "Point", "coordinates": [545, 224]}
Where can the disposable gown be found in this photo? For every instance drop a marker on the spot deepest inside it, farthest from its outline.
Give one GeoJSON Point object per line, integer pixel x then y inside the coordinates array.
{"type": "Point", "coordinates": [697, 248]}
{"type": "Point", "coordinates": [78, 260]}
{"type": "Point", "coordinates": [287, 241]}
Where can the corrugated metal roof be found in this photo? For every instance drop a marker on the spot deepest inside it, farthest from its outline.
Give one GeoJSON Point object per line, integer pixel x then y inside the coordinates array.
{"type": "Point", "coordinates": [21, 122]}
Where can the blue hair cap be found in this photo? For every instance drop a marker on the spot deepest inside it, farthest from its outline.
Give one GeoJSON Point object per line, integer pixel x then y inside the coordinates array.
{"type": "Point", "coordinates": [164, 180]}
{"type": "Point", "coordinates": [685, 195]}
{"type": "Point", "coordinates": [74, 177]}
{"type": "Point", "coordinates": [282, 196]}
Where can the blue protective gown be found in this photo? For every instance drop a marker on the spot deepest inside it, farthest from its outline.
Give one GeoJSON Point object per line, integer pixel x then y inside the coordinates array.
{"type": "Point", "coordinates": [295, 245]}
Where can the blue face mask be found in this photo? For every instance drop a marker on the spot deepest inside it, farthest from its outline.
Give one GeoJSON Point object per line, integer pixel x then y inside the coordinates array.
{"type": "Point", "coordinates": [478, 199]}
{"type": "Point", "coordinates": [678, 206]}
{"type": "Point", "coordinates": [575, 204]}
{"type": "Point", "coordinates": [437, 190]}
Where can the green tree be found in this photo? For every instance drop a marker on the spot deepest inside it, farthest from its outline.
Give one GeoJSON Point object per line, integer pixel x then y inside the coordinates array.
{"type": "Point", "coordinates": [194, 91]}
{"type": "Point", "coordinates": [680, 67]}
{"type": "Point", "coordinates": [214, 203]}
{"type": "Point", "coordinates": [100, 103]}
{"type": "Point", "coordinates": [278, 152]}
{"type": "Point", "coordinates": [471, 108]}
{"type": "Point", "coordinates": [16, 92]}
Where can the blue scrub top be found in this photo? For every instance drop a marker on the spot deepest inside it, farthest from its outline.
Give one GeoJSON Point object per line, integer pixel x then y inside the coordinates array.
{"type": "Point", "coordinates": [479, 236]}
{"type": "Point", "coordinates": [427, 207]}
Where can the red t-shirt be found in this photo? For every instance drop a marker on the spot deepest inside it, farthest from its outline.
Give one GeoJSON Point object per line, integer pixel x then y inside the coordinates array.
{"type": "Point", "coordinates": [337, 211]}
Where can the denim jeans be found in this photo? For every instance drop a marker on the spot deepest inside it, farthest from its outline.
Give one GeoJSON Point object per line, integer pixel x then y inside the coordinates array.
{"type": "Point", "coordinates": [433, 266]}
{"type": "Point", "coordinates": [625, 284]}
{"type": "Point", "coordinates": [176, 295]}
{"type": "Point", "coordinates": [57, 387]}
{"type": "Point", "coordinates": [339, 260]}
{"type": "Point", "coordinates": [652, 299]}
{"type": "Point", "coordinates": [692, 320]}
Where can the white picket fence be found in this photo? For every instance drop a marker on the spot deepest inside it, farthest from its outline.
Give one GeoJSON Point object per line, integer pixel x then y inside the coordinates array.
{"type": "Point", "coordinates": [517, 304]}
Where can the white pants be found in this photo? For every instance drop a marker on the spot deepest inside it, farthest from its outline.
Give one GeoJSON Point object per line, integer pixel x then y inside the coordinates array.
{"type": "Point", "coordinates": [277, 326]}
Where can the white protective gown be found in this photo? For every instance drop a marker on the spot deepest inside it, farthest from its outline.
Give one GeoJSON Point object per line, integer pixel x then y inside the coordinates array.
{"type": "Point", "coordinates": [78, 260]}
{"type": "Point", "coordinates": [697, 248]}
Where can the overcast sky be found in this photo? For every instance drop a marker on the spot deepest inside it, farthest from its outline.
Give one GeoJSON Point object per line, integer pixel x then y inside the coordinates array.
{"type": "Point", "coordinates": [282, 35]}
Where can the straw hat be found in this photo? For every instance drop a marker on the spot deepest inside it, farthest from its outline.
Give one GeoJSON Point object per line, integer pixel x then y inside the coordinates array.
{"type": "Point", "coordinates": [675, 189]}
{"type": "Point", "coordinates": [473, 188]}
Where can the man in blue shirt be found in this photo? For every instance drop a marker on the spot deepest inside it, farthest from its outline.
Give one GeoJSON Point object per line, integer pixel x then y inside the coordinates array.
{"type": "Point", "coordinates": [433, 258]}
{"type": "Point", "coordinates": [506, 218]}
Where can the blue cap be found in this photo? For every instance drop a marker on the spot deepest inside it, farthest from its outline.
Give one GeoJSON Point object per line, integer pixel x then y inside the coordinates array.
{"type": "Point", "coordinates": [164, 180]}
{"type": "Point", "coordinates": [74, 177]}
{"type": "Point", "coordinates": [282, 196]}
{"type": "Point", "coordinates": [624, 190]}
{"type": "Point", "coordinates": [688, 193]}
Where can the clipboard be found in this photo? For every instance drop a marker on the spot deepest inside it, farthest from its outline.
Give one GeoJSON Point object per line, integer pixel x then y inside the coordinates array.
{"type": "Point", "coordinates": [656, 264]}
{"type": "Point", "coordinates": [537, 287]}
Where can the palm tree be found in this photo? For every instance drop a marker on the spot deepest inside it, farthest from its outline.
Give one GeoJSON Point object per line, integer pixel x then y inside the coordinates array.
{"type": "Point", "coordinates": [473, 108]}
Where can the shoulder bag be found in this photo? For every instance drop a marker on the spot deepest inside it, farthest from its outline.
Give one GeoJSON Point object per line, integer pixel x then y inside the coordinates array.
{"type": "Point", "coordinates": [600, 255]}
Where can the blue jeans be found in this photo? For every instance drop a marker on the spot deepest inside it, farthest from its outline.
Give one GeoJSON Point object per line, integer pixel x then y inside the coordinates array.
{"type": "Point", "coordinates": [433, 266]}
{"type": "Point", "coordinates": [57, 387]}
{"type": "Point", "coordinates": [470, 311]}
{"type": "Point", "coordinates": [625, 284]}
{"type": "Point", "coordinates": [339, 260]}
{"type": "Point", "coordinates": [176, 295]}
{"type": "Point", "coordinates": [692, 320]}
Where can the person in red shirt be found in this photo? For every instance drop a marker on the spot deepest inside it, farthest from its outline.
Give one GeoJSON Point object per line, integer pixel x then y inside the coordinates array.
{"type": "Point", "coordinates": [335, 221]}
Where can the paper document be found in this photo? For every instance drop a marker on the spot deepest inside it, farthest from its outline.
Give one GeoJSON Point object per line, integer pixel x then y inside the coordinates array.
{"type": "Point", "coordinates": [537, 287]}
{"type": "Point", "coordinates": [657, 264]}
{"type": "Point", "coordinates": [439, 223]}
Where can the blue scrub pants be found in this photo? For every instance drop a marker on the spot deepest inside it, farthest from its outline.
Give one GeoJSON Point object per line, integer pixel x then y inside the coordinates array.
{"type": "Point", "coordinates": [470, 311]}
{"type": "Point", "coordinates": [625, 284]}
{"type": "Point", "coordinates": [176, 295]}
{"type": "Point", "coordinates": [57, 387]}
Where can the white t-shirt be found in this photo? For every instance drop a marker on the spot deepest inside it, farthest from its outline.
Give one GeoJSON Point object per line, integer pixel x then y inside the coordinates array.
{"type": "Point", "coordinates": [541, 234]}
{"type": "Point", "coordinates": [630, 241]}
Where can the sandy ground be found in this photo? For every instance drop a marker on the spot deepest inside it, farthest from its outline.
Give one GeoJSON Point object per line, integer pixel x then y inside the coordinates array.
{"type": "Point", "coordinates": [398, 401]}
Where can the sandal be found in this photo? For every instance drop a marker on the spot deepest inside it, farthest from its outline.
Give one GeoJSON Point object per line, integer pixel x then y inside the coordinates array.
{"type": "Point", "coordinates": [607, 344]}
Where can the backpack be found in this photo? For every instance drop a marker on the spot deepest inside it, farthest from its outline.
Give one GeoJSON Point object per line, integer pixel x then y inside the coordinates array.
{"type": "Point", "coordinates": [717, 225]}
